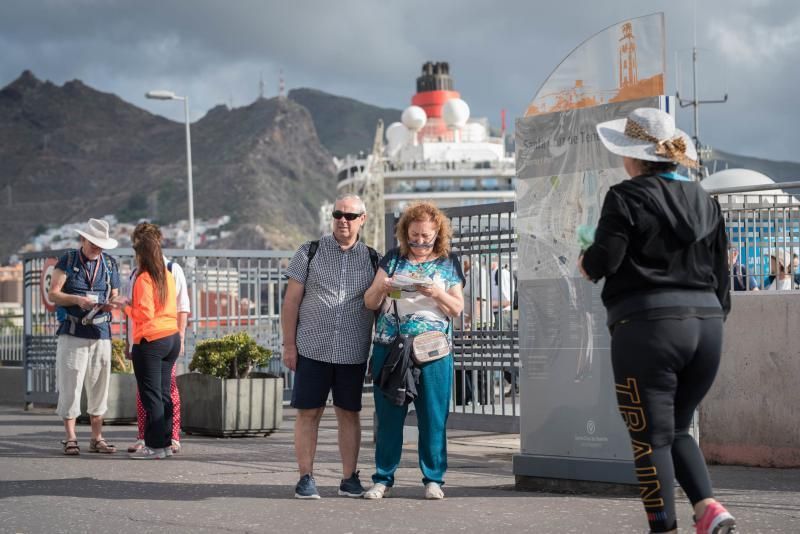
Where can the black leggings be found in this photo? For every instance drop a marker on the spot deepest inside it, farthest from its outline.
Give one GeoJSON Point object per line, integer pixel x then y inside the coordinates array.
{"type": "Point", "coordinates": [152, 365]}
{"type": "Point", "coordinates": [663, 368]}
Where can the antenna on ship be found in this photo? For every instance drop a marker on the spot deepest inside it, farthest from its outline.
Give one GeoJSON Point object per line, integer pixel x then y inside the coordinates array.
{"type": "Point", "coordinates": [695, 103]}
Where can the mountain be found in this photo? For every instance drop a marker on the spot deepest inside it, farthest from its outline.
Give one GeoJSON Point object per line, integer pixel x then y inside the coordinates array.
{"type": "Point", "coordinates": [780, 171]}
{"type": "Point", "coordinates": [345, 126]}
{"type": "Point", "coordinates": [71, 152]}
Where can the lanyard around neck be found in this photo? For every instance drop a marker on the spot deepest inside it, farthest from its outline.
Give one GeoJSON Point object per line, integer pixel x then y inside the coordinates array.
{"type": "Point", "coordinates": [91, 278]}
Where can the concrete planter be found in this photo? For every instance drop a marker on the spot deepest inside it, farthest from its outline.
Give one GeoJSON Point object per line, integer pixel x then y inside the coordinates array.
{"type": "Point", "coordinates": [121, 400]}
{"type": "Point", "coordinates": [230, 407]}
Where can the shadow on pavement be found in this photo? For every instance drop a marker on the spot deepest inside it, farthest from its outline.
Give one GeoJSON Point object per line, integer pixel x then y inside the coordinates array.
{"type": "Point", "coordinates": [92, 488]}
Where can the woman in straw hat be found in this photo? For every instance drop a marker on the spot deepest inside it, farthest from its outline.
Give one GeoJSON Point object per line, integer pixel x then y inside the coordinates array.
{"type": "Point", "coordinates": [661, 246]}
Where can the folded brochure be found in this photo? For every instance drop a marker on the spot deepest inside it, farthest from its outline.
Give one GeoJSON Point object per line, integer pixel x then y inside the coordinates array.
{"type": "Point", "coordinates": [402, 281]}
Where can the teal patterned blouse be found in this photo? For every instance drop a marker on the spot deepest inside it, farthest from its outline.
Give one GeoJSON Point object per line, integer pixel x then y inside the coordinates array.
{"type": "Point", "coordinates": [417, 312]}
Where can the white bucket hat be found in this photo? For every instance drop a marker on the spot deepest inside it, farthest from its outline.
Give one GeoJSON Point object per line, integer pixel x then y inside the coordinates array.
{"type": "Point", "coordinates": [97, 233]}
{"type": "Point", "coordinates": [783, 257]}
{"type": "Point", "coordinates": [648, 134]}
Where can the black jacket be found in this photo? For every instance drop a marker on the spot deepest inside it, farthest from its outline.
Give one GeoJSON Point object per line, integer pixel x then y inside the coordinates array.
{"type": "Point", "coordinates": [661, 245]}
{"type": "Point", "coordinates": [398, 378]}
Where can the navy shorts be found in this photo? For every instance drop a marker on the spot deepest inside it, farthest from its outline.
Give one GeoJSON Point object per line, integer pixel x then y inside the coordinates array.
{"type": "Point", "coordinates": [313, 380]}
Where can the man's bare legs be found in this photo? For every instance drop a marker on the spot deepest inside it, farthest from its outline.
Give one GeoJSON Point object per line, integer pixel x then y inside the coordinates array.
{"type": "Point", "coordinates": [69, 429]}
{"type": "Point", "coordinates": [349, 439]}
{"type": "Point", "coordinates": [306, 430]}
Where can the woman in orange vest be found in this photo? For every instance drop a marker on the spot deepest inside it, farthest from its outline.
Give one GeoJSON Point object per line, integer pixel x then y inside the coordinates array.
{"type": "Point", "coordinates": [156, 344]}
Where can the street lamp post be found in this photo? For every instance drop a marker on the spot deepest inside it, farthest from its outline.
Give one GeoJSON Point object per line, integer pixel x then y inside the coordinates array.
{"type": "Point", "coordinates": [169, 95]}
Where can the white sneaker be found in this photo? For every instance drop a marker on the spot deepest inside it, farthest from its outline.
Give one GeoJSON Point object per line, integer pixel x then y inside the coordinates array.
{"type": "Point", "coordinates": [136, 446]}
{"type": "Point", "coordinates": [146, 453]}
{"type": "Point", "coordinates": [377, 491]}
{"type": "Point", "coordinates": [433, 491]}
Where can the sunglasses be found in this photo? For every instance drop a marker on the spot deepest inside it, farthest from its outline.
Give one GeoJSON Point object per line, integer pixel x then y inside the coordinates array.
{"type": "Point", "coordinates": [348, 216]}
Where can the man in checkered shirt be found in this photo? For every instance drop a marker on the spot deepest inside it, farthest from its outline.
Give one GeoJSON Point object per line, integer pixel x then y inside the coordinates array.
{"type": "Point", "coordinates": [326, 334]}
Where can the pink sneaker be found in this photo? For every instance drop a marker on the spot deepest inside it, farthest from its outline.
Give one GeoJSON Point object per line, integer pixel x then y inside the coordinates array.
{"type": "Point", "coordinates": [716, 520]}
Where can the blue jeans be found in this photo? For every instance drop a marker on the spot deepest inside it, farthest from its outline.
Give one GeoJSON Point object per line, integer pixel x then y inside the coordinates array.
{"type": "Point", "coordinates": [432, 406]}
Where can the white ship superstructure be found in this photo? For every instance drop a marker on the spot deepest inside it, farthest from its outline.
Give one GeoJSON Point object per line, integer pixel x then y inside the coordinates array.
{"type": "Point", "coordinates": [437, 152]}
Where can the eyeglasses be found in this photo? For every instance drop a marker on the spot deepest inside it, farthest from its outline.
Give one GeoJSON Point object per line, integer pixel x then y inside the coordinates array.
{"type": "Point", "coordinates": [348, 216]}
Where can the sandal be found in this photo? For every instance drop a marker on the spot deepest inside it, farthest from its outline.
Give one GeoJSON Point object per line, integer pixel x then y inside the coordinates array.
{"type": "Point", "coordinates": [101, 445]}
{"type": "Point", "coordinates": [71, 447]}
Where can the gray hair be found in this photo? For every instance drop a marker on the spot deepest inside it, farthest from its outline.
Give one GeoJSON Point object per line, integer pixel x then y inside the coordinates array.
{"type": "Point", "coordinates": [348, 196]}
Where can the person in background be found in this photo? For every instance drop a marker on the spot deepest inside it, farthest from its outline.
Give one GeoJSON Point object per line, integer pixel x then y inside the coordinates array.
{"type": "Point", "coordinates": [661, 246]}
{"type": "Point", "coordinates": [326, 334]}
{"type": "Point", "coordinates": [796, 269]}
{"type": "Point", "coordinates": [84, 282]}
{"type": "Point", "coordinates": [742, 280]}
{"type": "Point", "coordinates": [184, 309]}
{"type": "Point", "coordinates": [476, 294]}
{"type": "Point", "coordinates": [501, 296]}
{"type": "Point", "coordinates": [780, 268]}
{"type": "Point", "coordinates": [424, 235]}
{"type": "Point", "coordinates": [156, 343]}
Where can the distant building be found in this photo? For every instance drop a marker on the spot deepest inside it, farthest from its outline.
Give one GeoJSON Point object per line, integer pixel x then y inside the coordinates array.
{"type": "Point", "coordinates": [11, 284]}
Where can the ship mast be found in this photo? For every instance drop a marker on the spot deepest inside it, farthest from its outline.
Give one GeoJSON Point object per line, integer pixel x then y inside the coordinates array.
{"type": "Point", "coordinates": [695, 102]}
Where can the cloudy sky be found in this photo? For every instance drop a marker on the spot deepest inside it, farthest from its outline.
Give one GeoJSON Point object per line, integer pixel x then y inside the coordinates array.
{"type": "Point", "coordinates": [499, 52]}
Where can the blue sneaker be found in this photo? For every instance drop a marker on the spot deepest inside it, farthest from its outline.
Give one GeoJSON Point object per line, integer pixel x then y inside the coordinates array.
{"type": "Point", "coordinates": [306, 488]}
{"type": "Point", "coordinates": [351, 487]}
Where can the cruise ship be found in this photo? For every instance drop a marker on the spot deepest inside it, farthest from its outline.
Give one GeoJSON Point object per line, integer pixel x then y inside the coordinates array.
{"type": "Point", "coordinates": [437, 152]}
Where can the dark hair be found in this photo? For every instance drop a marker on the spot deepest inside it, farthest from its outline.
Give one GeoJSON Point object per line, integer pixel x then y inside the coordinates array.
{"type": "Point", "coordinates": [145, 229]}
{"type": "Point", "coordinates": [151, 261]}
{"type": "Point", "coordinates": [657, 167]}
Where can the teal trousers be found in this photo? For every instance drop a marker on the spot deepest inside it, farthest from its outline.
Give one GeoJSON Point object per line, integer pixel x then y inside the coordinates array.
{"type": "Point", "coordinates": [432, 406]}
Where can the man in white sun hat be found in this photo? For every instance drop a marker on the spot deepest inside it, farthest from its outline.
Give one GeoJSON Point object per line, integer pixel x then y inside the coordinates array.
{"type": "Point", "coordinates": [661, 246]}
{"type": "Point", "coordinates": [84, 281]}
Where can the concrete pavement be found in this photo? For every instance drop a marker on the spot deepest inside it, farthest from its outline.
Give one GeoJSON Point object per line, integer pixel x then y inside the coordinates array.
{"type": "Point", "coordinates": [246, 485]}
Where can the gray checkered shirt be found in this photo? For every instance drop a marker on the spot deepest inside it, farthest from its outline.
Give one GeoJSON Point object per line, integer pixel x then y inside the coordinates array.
{"type": "Point", "coordinates": [333, 325]}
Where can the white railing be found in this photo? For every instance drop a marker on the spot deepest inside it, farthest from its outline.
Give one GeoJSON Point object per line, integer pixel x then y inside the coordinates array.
{"type": "Point", "coordinates": [11, 351]}
{"type": "Point", "coordinates": [762, 222]}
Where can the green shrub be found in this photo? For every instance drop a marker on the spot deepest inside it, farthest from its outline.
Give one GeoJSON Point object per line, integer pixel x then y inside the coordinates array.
{"type": "Point", "coordinates": [119, 363]}
{"type": "Point", "coordinates": [231, 356]}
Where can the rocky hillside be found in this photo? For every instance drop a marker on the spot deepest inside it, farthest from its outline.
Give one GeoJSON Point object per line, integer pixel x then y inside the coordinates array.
{"type": "Point", "coordinates": [345, 126]}
{"type": "Point", "coordinates": [780, 171]}
{"type": "Point", "coordinates": [70, 152]}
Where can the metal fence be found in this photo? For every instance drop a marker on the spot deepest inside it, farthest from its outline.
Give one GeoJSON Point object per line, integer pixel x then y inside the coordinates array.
{"type": "Point", "coordinates": [485, 342]}
{"type": "Point", "coordinates": [231, 291]}
{"type": "Point", "coordinates": [11, 340]}
{"type": "Point", "coordinates": [236, 291]}
{"type": "Point", "coordinates": [762, 224]}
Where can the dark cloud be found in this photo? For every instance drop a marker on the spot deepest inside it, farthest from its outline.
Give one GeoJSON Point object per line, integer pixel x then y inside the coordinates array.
{"type": "Point", "coordinates": [500, 52]}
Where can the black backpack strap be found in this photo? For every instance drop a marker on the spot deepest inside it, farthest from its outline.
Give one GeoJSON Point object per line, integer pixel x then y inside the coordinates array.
{"type": "Point", "coordinates": [373, 258]}
{"type": "Point", "coordinates": [169, 266]}
{"type": "Point", "coordinates": [312, 251]}
{"type": "Point", "coordinates": [393, 254]}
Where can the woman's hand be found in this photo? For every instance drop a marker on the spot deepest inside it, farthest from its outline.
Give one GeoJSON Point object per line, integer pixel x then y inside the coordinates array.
{"type": "Point", "coordinates": [388, 286]}
{"type": "Point", "coordinates": [433, 291]}
{"type": "Point", "coordinates": [581, 269]}
{"type": "Point", "coordinates": [118, 302]}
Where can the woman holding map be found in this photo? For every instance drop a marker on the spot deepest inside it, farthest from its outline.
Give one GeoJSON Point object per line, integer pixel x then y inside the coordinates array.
{"type": "Point", "coordinates": [418, 290]}
{"type": "Point", "coordinates": [661, 246]}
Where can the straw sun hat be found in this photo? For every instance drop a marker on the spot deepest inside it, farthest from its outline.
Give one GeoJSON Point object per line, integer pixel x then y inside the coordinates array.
{"type": "Point", "coordinates": [648, 134]}
{"type": "Point", "coordinates": [96, 231]}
